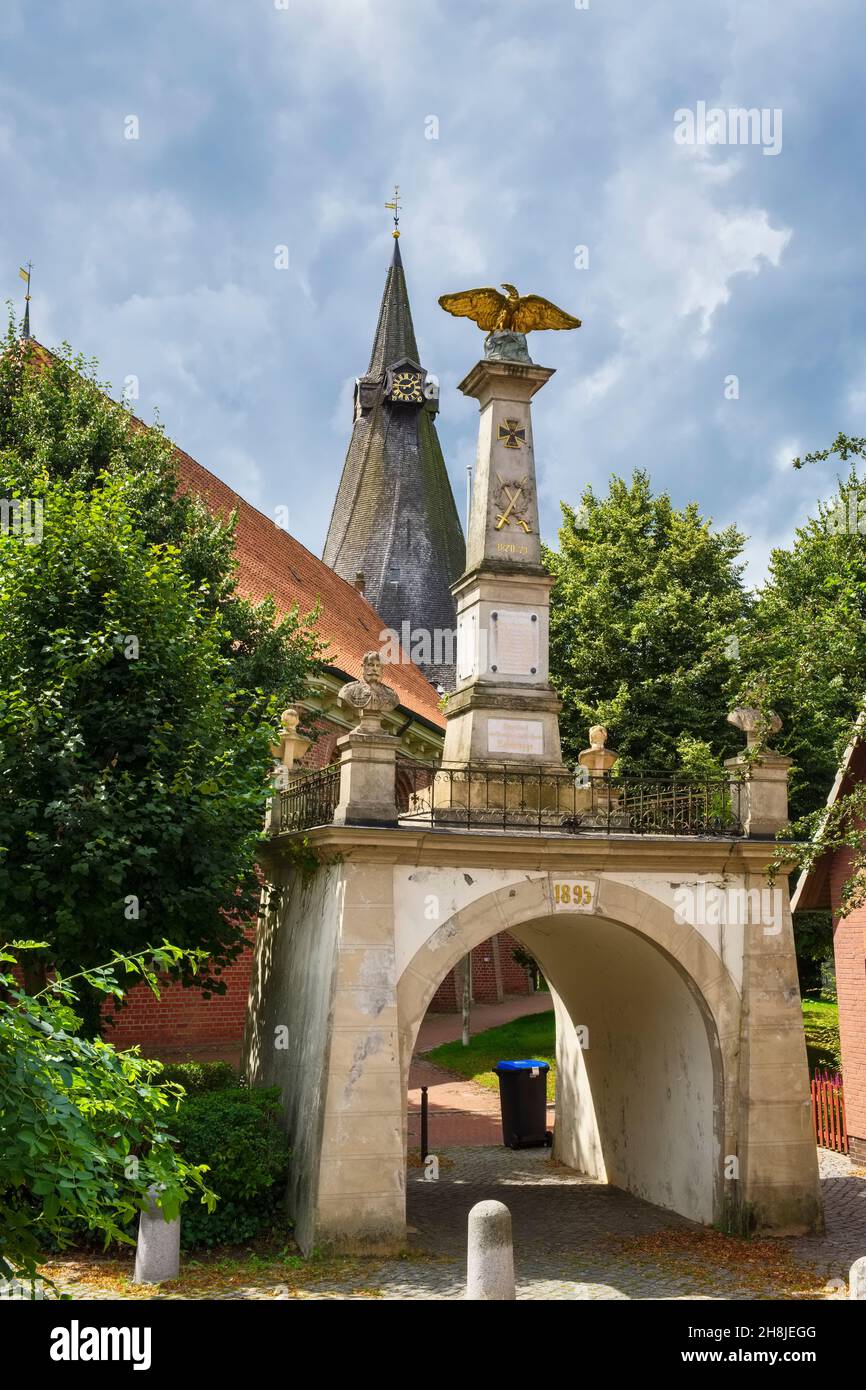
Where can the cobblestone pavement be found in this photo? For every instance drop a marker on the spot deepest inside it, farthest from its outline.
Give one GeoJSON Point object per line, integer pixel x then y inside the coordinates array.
{"type": "Point", "coordinates": [568, 1239]}
{"type": "Point", "coordinates": [843, 1188]}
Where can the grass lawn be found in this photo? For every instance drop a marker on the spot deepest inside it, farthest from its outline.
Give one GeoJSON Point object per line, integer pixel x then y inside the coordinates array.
{"type": "Point", "coordinates": [535, 1036]}
{"type": "Point", "coordinates": [821, 1022]}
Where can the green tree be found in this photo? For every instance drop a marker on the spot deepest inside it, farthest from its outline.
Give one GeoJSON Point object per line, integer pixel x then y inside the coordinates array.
{"type": "Point", "coordinates": [646, 611]}
{"type": "Point", "coordinates": [806, 640]}
{"type": "Point", "coordinates": [806, 646]}
{"type": "Point", "coordinates": [84, 1129]}
{"type": "Point", "coordinates": [139, 692]}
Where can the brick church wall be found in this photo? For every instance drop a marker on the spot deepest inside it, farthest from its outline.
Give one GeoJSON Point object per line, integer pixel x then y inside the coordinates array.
{"type": "Point", "coordinates": [182, 1018]}
{"type": "Point", "coordinates": [324, 750]}
{"type": "Point", "coordinates": [849, 949]}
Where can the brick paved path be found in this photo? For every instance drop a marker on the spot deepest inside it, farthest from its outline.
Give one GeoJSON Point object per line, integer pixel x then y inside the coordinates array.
{"type": "Point", "coordinates": [460, 1113]}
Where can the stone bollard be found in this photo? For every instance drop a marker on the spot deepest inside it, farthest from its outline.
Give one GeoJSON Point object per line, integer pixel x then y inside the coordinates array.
{"type": "Point", "coordinates": [857, 1279]}
{"type": "Point", "coordinates": [157, 1252]}
{"type": "Point", "coordinates": [490, 1261]}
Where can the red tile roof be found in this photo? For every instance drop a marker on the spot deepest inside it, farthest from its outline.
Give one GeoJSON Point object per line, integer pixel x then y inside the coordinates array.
{"type": "Point", "coordinates": [273, 562]}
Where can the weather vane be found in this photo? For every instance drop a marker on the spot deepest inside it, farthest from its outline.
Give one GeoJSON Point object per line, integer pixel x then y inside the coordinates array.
{"type": "Point", "coordinates": [395, 208]}
{"type": "Point", "coordinates": [25, 276]}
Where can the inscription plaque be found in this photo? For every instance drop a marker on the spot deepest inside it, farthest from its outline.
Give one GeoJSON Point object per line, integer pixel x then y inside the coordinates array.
{"type": "Point", "coordinates": [515, 736]}
{"type": "Point", "coordinates": [514, 642]}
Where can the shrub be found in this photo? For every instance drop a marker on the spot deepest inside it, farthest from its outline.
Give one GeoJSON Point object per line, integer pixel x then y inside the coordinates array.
{"type": "Point", "coordinates": [236, 1133]}
{"type": "Point", "coordinates": [75, 1112]}
{"type": "Point", "coordinates": [199, 1077]}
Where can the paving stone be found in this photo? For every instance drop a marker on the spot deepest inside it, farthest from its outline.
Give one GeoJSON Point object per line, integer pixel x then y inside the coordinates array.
{"type": "Point", "coordinates": [567, 1228]}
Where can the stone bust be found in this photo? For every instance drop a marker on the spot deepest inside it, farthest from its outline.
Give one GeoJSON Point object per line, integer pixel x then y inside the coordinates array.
{"type": "Point", "coordinates": [370, 696]}
{"type": "Point", "coordinates": [757, 725]}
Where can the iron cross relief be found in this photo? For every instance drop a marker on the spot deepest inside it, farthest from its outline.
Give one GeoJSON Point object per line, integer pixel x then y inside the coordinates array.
{"type": "Point", "coordinates": [513, 434]}
{"type": "Point", "coordinates": [513, 504]}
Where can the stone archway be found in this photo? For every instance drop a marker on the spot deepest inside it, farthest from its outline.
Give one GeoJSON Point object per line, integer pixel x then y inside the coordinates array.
{"type": "Point", "coordinates": [646, 1034]}
{"type": "Point", "coordinates": [708, 1077]}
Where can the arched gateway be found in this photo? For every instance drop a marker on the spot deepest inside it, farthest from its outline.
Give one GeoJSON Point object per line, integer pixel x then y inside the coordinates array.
{"type": "Point", "coordinates": [681, 1062]}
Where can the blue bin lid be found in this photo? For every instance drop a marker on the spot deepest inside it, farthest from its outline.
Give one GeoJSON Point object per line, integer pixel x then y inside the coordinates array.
{"type": "Point", "coordinates": [521, 1066]}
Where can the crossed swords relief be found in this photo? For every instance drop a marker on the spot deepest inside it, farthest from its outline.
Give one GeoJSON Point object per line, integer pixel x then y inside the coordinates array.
{"type": "Point", "coordinates": [513, 493]}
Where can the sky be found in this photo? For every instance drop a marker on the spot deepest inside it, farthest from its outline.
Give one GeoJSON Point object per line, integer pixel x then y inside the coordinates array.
{"type": "Point", "coordinates": [518, 131]}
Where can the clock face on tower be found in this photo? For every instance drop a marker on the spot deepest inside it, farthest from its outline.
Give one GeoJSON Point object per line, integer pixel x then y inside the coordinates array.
{"type": "Point", "coordinates": [407, 388]}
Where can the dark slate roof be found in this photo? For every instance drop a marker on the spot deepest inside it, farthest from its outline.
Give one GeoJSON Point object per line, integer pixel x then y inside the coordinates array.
{"type": "Point", "coordinates": [394, 516]}
{"type": "Point", "coordinates": [395, 335]}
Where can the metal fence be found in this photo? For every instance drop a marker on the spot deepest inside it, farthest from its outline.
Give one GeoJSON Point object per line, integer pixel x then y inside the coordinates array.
{"type": "Point", "coordinates": [311, 800]}
{"type": "Point", "coordinates": [520, 798]}
{"type": "Point", "coordinates": [506, 797]}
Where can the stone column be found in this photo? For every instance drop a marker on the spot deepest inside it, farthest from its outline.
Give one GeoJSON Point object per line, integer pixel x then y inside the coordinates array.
{"type": "Point", "coordinates": [777, 1185]}
{"type": "Point", "coordinates": [759, 780]}
{"type": "Point", "coordinates": [503, 709]}
{"type": "Point", "coordinates": [361, 1199]}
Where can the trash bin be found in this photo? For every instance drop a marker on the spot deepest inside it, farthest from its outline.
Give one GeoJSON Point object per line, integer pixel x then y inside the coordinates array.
{"type": "Point", "coordinates": [523, 1102]}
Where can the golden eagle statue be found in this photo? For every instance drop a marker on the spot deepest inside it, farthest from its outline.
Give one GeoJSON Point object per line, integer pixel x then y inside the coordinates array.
{"type": "Point", "coordinates": [507, 313]}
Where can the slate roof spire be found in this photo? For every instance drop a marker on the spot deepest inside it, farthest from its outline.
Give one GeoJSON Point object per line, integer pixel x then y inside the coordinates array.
{"type": "Point", "coordinates": [394, 515]}
{"type": "Point", "coordinates": [395, 333]}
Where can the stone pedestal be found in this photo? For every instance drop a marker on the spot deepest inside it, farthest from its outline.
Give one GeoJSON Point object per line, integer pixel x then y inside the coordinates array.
{"type": "Point", "coordinates": [368, 755]}
{"type": "Point", "coordinates": [759, 790]}
{"type": "Point", "coordinates": [759, 781]}
{"type": "Point", "coordinates": [367, 779]}
{"type": "Point", "coordinates": [503, 709]}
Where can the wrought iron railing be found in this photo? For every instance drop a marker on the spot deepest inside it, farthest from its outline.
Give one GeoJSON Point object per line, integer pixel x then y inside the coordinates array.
{"type": "Point", "coordinates": [507, 797]}
{"type": "Point", "coordinates": [311, 800]}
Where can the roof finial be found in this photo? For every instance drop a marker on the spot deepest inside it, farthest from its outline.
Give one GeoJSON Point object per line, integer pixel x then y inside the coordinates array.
{"type": "Point", "coordinates": [395, 208]}
{"type": "Point", "coordinates": [25, 276]}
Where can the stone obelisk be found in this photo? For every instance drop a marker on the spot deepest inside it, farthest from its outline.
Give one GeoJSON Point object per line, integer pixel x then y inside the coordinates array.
{"type": "Point", "coordinates": [503, 709]}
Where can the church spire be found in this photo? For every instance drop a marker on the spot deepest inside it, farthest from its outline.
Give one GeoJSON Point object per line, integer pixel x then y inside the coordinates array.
{"type": "Point", "coordinates": [25, 276]}
{"type": "Point", "coordinates": [394, 516]}
{"type": "Point", "coordinates": [395, 333]}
